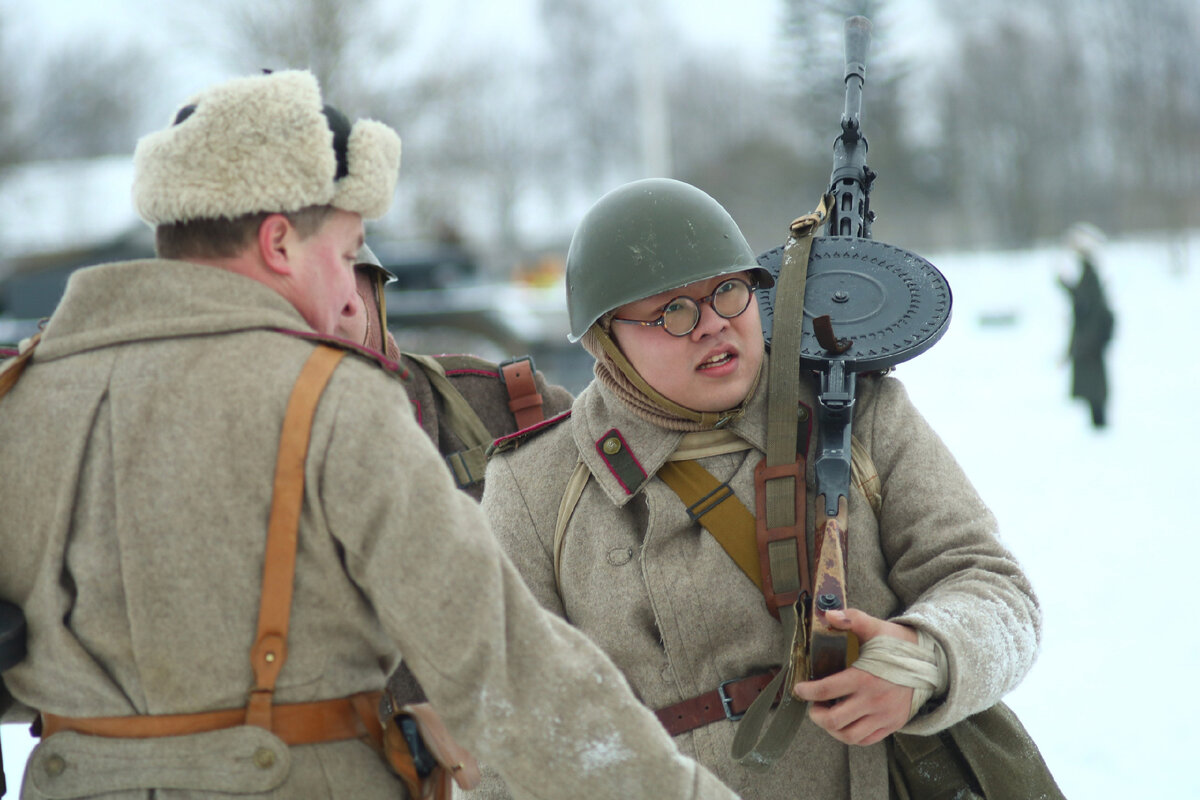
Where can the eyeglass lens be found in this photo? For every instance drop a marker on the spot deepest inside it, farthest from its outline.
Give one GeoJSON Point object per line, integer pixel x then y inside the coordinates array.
{"type": "Point", "coordinates": [682, 314]}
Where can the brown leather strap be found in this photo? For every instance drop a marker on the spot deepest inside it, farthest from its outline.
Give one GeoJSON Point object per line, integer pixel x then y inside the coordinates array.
{"type": "Point", "coordinates": [13, 370]}
{"type": "Point", "coordinates": [279, 566]}
{"type": "Point", "coordinates": [523, 398]}
{"type": "Point", "coordinates": [728, 701]}
{"type": "Point", "coordinates": [294, 723]}
{"type": "Point", "coordinates": [353, 717]}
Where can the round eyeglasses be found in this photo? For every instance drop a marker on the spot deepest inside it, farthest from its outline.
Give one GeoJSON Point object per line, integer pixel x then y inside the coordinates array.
{"type": "Point", "coordinates": [680, 316]}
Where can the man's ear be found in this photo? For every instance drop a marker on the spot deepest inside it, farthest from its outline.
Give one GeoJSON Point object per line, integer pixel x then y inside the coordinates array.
{"type": "Point", "coordinates": [274, 242]}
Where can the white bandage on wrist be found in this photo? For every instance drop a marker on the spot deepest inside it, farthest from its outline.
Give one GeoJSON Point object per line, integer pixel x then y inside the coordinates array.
{"type": "Point", "coordinates": [922, 666]}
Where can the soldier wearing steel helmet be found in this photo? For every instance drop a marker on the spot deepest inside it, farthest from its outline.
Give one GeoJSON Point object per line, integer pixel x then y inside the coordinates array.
{"type": "Point", "coordinates": [661, 289]}
{"type": "Point", "coordinates": [497, 399]}
{"type": "Point", "coordinates": [224, 533]}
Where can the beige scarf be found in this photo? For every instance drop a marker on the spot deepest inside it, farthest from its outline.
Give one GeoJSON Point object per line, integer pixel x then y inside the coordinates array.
{"type": "Point", "coordinates": [614, 371]}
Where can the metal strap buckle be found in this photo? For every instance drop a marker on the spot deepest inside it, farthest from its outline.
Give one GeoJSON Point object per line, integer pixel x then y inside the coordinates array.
{"type": "Point", "coordinates": [727, 701]}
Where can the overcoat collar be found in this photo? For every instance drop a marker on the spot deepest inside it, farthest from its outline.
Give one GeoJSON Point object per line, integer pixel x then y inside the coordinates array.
{"type": "Point", "coordinates": [134, 301]}
{"type": "Point", "coordinates": [641, 446]}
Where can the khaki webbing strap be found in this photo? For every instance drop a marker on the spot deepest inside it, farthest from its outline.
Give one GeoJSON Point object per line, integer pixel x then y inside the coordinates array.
{"type": "Point", "coordinates": [752, 746]}
{"type": "Point", "coordinates": [780, 498]}
{"type": "Point", "coordinates": [279, 564]}
{"type": "Point", "coordinates": [13, 369]}
{"type": "Point", "coordinates": [714, 505]}
{"type": "Point", "coordinates": [524, 400]}
{"type": "Point", "coordinates": [566, 507]}
{"type": "Point", "coordinates": [864, 475]}
{"type": "Point", "coordinates": [467, 465]}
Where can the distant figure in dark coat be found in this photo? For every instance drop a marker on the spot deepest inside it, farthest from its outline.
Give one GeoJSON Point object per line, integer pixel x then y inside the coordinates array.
{"type": "Point", "coordinates": [1092, 325]}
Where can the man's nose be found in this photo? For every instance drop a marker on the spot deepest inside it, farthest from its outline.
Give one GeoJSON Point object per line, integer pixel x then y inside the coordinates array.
{"type": "Point", "coordinates": [710, 321]}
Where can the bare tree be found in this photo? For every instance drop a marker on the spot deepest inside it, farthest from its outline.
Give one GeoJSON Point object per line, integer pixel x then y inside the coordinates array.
{"type": "Point", "coordinates": [1050, 113]}
{"type": "Point", "coordinates": [71, 100]}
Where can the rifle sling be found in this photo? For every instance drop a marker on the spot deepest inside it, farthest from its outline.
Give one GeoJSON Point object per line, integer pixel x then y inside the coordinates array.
{"type": "Point", "coordinates": [762, 735]}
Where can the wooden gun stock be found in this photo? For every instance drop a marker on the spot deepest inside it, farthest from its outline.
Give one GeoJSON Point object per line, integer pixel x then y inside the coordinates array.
{"type": "Point", "coordinates": [830, 650]}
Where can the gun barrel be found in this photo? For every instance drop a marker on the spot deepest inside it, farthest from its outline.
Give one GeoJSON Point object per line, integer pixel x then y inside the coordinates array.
{"type": "Point", "coordinates": [858, 39]}
{"type": "Point", "coordinates": [850, 182]}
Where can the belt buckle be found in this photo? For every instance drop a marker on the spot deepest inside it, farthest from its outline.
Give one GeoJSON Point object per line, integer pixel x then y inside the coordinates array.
{"type": "Point", "coordinates": [727, 701]}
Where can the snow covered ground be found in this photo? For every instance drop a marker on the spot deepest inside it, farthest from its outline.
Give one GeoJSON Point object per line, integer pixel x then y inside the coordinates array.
{"type": "Point", "coordinates": [1099, 519]}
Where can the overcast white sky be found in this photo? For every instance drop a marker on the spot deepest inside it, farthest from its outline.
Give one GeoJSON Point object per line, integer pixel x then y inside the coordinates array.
{"type": "Point", "coordinates": [746, 26]}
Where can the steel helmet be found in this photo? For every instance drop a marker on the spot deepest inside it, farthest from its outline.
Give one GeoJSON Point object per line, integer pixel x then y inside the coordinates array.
{"type": "Point", "coordinates": [646, 237]}
{"type": "Point", "coordinates": [367, 261]}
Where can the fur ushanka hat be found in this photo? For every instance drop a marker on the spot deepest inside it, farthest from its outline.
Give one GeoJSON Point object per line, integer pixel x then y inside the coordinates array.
{"type": "Point", "coordinates": [263, 144]}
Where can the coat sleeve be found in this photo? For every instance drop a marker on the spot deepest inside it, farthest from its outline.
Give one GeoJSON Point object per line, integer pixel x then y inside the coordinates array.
{"type": "Point", "coordinates": [955, 579]}
{"type": "Point", "coordinates": [518, 687]}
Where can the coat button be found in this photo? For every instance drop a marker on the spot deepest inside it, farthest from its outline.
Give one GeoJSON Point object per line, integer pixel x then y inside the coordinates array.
{"type": "Point", "coordinates": [802, 414]}
{"type": "Point", "coordinates": [55, 765]}
{"type": "Point", "coordinates": [619, 556]}
{"type": "Point", "coordinates": [264, 758]}
{"type": "Point", "coordinates": [612, 445]}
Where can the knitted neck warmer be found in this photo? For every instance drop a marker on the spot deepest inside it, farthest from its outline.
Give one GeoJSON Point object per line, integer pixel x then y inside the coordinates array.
{"type": "Point", "coordinates": [613, 370]}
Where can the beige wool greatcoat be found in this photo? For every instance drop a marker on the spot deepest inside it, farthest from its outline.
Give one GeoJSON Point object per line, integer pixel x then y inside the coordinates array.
{"type": "Point", "coordinates": [676, 614]}
{"type": "Point", "coordinates": [137, 453]}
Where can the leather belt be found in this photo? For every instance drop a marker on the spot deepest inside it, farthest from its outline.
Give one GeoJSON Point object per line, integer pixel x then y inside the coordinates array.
{"type": "Point", "coordinates": [353, 717]}
{"type": "Point", "coordinates": [728, 701]}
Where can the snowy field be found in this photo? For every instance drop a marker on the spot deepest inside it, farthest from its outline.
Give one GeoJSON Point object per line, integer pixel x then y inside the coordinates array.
{"type": "Point", "coordinates": [1099, 519]}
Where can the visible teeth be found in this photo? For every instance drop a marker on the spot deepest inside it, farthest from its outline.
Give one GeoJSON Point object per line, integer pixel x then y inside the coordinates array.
{"type": "Point", "coordinates": [715, 359]}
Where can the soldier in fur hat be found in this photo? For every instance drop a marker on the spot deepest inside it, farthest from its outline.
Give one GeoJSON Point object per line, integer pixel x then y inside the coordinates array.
{"type": "Point", "coordinates": [224, 533]}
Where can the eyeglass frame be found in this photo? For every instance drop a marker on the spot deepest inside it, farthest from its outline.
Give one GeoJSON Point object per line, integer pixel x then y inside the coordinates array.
{"type": "Point", "coordinates": [661, 320]}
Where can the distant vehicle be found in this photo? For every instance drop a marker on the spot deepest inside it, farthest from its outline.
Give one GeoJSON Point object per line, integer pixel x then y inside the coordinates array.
{"type": "Point", "coordinates": [31, 286]}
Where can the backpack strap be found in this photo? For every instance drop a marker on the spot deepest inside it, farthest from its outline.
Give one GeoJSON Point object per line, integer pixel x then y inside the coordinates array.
{"type": "Point", "coordinates": [570, 499]}
{"type": "Point", "coordinates": [524, 400]}
{"type": "Point", "coordinates": [467, 465]}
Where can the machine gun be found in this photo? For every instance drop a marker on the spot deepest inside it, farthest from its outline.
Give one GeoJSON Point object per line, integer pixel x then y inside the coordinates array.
{"type": "Point", "coordinates": [845, 304]}
{"type": "Point", "coordinates": [866, 307]}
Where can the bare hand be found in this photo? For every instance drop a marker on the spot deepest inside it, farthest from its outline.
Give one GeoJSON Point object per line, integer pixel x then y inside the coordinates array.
{"type": "Point", "coordinates": [856, 707]}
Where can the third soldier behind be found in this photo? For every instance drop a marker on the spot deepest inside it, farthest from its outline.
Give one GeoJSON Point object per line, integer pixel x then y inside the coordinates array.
{"type": "Point", "coordinates": [463, 404]}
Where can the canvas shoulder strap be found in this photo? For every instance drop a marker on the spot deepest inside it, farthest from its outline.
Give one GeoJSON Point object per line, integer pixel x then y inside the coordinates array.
{"type": "Point", "coordinates": [467, 465]}
{"type": "Point", "coordinates": [713, 505]}
{"type": "Point", "coordinates": [695, 488]}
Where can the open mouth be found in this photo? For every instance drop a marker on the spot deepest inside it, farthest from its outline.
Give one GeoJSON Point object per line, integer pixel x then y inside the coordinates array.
{"type": "Point", "coordinates": [718, 360]}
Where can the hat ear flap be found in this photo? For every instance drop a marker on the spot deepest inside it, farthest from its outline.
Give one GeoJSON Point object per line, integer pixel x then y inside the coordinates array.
{"type": "Point", "coordinates": [373, 155]}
